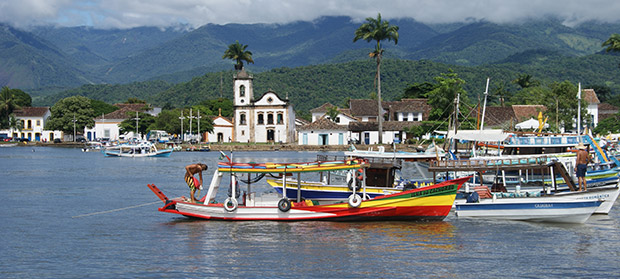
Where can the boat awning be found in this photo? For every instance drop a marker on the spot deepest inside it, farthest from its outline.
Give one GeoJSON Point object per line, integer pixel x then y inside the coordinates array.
{"type": "Point", "coordinates": [479, 135]}
{"type": "Point", "coordinates": [530, 124]}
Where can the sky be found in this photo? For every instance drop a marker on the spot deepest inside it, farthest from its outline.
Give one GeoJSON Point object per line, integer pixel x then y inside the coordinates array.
{"type": "Point", "coordinates": [164, 13]}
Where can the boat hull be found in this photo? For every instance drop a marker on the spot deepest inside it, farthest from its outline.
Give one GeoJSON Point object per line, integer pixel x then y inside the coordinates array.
{"type": "Point", "coordinates": [425, 204]}
{"type": "Point", "coordinates": [116, 153]}
{"type": "Point", "coordinates": [530, 209]}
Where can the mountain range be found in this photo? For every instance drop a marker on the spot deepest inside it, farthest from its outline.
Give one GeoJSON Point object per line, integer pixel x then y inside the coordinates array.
{"type": "Point", "coordinates": [44, 60]}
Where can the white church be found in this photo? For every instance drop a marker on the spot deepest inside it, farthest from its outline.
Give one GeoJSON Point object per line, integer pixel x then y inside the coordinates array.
{"type": "Point", "coordinates": [266, 119]}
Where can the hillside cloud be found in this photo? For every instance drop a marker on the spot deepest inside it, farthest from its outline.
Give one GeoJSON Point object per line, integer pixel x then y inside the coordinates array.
{"type": "Point", "coordinates": [163, 13]}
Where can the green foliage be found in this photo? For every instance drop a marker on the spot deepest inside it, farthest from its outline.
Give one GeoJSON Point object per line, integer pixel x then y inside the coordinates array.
{"type": "Point", "coordinates": [613, 43]}
{"type": "Point", "coordinates": [238, 53]}
{"type": "Point", "coordinates": [8, 103]}
{"type": "Point", "coordinates": [418, 90]}
{"type": "Point", "coordinates": [111, 93]}
{"type": "Point", "coordinates": [144, 122]}
{"type": "Point", "coordinates": [562, 103]}
{"type": "Point", "coordinates": [442, 98]}
{"type": "Point", "coordinates": [22, 99]}
{"type": "Point", "coordinates": [608, 125]}
{"type": "Point", "coordinates": [332, 113]}
{"type": "Point", "coordinates": [100, 107]}
{"type": "Point", "coordinates": [68, 110]}
{"type": "Point", "coordinates": [215, 105]}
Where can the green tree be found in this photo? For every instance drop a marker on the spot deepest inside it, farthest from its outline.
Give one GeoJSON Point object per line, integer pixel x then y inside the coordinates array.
{"type": "Point", "coordinates": [525, 81]}
{"type": "Point", "coordinates": [129, 124]}
{"type": "Point", "coordinates": [418, 90]}
{"type": "Point", "coordinates": [613, 43]}
{"type": "Point", "coordinates": [100, 107]}
{"type": "Point", "coordinates": [499, 94]}
{"type": "Point", "coordinates": [376, 29]}
{"type": "Point", "coordinates": [561, 102]}
{"type": "Point", "coordinates": [608, 125]}
{"type": "Point", "coordinates": [65, 111]}
{"type": "Point", "coordinates": [15, 124]}
{"type": "Point", "coordinates": [7, 105]}
{"type": "Point", "coordinates": [238, 53]}
{"type": "Point", "coordinates": [441, 99]}
{"type": "Point", "coordinates": [22, 99]}
{"type": "Point", "coordinates": [332, 113]}
{"type": "Point", "coordinates": [225, 104]}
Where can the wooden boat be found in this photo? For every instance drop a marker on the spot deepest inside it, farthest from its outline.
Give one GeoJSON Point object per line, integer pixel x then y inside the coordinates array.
{"type": "Point", "coordinates": [548, 191]}
{"type": "Point", "coordinates": [142, 149]}
{"type": "Point", "coordinates": [530, 209]}
{"type": "Point", "coordinates": [383, 177]}
{"type": "Point", "coordinates": [429, 203]}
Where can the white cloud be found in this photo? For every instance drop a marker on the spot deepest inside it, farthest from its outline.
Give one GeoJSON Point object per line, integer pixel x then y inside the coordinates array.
{"type": "Point", "coordinates": [132, 13]}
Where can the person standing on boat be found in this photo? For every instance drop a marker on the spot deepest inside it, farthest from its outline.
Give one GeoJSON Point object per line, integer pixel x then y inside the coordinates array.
{"type": "Point", "coordinates": [192, 182]}
{"type": "Point", "coordinates": [583, 158]}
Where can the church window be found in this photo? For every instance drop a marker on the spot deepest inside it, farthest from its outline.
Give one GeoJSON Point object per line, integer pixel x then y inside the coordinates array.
{"type": "Point", "coordinates": [261, 119]}
{"type": "Point", "coordinates": [280, 119]}
{"type": "Point", "coordinates": [270, 118]}
{"type": "Point", "coordinates": [242, 91]}
{"type": "Point", "coordinates": [242, 119]}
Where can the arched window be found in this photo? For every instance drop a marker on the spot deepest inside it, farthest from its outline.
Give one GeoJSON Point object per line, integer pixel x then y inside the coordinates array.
{"type": "Point", "coordinates": [261, 119]}
{"type": "Point", "coordinates": [270, 118]}
{"type": "Point", "coordinates": [242, 119]}
{"type": "Point", "coordinates": [242, 91]}
{"type": "Point", "coordinates": [280, 118]}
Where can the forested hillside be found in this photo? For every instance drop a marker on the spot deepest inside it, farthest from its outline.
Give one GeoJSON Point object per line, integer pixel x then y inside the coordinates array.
{"type": "Point", "coordinates": [46, 60]}
{"type": "Point", "coordinates": [308, 87]}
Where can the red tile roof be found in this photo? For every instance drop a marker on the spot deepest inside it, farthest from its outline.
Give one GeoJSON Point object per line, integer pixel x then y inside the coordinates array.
{"type": "Point", "coordinates": [31, 111]}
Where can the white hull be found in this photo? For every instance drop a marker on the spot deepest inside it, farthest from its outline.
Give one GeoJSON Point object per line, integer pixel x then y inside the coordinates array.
{"type": "Point", "coordinates": [530, 209]}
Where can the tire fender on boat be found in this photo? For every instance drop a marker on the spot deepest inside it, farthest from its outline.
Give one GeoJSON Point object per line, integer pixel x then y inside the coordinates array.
{"type": "Point", "coordinates": [232, 201]}
{"type": "Point", "coordinates": [284, 205]}
{"type": "Point", "coordinates": [355, 200]}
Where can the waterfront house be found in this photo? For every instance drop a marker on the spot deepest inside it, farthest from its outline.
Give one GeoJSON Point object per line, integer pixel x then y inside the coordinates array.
{"type": "Point", "coordinates": [33, 125]}
{"type": "Point", "coordinates": [223, 129]}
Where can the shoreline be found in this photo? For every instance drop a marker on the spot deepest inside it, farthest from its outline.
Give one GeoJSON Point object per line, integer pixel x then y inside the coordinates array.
{"type": "Point", "coordinates": [251, 146]}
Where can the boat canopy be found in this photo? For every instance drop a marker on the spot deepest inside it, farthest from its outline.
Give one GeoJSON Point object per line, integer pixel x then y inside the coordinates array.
{"type": "Point", "coordinates": [479, 135]}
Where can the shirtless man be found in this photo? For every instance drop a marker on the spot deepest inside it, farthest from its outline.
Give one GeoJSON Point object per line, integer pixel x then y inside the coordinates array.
{"type": "Point", "coordinates": [583, 158]}
{"type": "Point", "coordinates": [191, 181]}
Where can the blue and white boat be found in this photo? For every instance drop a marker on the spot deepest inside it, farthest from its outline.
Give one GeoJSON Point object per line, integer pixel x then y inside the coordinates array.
{"type": "Point", "coordinates": [140, 149]}
{"type": "Point", "coordinates": [536, 209]}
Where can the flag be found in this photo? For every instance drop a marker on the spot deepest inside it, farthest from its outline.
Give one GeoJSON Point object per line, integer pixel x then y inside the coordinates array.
{"type": "Point", "coordinates": [222, 156]}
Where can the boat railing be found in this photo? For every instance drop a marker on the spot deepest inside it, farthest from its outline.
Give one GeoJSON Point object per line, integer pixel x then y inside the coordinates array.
{"type": "Point", "coordinates": [487, 163]}
{"type": "Point", "coordinates": [544, 140]}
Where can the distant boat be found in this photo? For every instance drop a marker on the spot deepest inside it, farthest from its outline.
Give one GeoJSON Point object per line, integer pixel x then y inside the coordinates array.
{"type": "Point", "coordinates": [141, 149]}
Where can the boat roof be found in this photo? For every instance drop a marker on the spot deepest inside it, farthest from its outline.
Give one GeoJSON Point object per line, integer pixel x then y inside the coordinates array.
{"type": "Point", "coordinates": [315, 166]}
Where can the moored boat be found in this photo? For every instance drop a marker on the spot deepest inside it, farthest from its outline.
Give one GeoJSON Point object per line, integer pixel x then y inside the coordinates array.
{"type": "Point", "coordinates": [141, 149]}
{"type": "Point", "coordinates": [428, 203]}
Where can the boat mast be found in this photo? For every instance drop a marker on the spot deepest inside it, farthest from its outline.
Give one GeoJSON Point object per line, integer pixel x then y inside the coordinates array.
{"type": "Point", "coordinates": [484, 106]}
{"type": "Point", "coordinates": [579, 110]}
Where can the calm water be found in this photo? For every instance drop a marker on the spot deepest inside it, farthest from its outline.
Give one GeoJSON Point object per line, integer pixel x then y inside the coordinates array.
{"type": "Point", "coordinates": [57, 222]}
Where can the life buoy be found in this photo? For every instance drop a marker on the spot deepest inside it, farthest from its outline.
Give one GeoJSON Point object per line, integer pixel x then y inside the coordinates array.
{"type": "Point", "coordinates": [355, 200]}
{"type": "Point", "coordinates": [284, 205]}
{"type": "Point", "coordinates": [233, 206]}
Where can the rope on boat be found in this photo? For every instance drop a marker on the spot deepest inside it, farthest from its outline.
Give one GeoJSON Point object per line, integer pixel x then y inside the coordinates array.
{"type": "Point", "coordinates": [114, 210]}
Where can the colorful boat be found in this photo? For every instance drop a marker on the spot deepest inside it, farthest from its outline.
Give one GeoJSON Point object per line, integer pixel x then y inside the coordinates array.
{"type": "Point", "coordinates": [429, 203]}
{"type": "Point", "coordinates": [431, 153]}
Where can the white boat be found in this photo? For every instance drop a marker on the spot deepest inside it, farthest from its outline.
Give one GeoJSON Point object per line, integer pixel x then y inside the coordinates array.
{"type": "Point", "coordinates": [141, 149]}
{"type": "Point", "coordinates": [537, 209]}
{"type": "Point", "coordinates": [431, 153]}
{"type": "Point", "coordinates": [92, 145]}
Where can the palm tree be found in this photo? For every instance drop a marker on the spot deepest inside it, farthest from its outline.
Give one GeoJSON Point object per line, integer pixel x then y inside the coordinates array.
{"type": "Point", "coordinates": [7, 103]}
{"type": "Point", "coordinates": [14, 124]}
{"type": "Point", "coordinates": [238, 53]}
{"type": "Point", "coordinates": [613, 43]}
{"type": "Point", "coordinates": [376, 29]}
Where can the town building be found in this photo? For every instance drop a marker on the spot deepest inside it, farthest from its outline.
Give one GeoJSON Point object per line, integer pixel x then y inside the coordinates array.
{"type": "Point", "coordinates": [33, 125]}
{"type": "Point", "coordinates": [266, 119]}
{"type": "Point", "coordinates": [223, 129]}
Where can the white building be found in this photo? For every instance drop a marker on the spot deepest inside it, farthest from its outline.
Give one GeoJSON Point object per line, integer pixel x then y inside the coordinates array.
{"type": "Point", "coordinates": [266, 119]}
{"type": "Point", "coordinates": [108, 125]}
{"type": "Point", "coordinates": [323, 132]}
{"type": "Point", "coordinates": [33, 123]}
{"type": "Point", "coordinates": [222, 129]}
